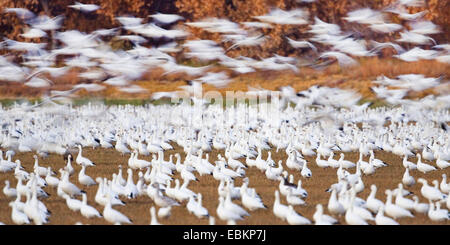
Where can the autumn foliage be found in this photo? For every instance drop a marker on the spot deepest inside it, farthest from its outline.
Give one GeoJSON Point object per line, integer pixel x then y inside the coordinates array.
{"type": "Point", "coordinates": [234, 10]}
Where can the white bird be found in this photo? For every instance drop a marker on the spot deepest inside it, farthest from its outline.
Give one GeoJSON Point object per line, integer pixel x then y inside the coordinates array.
{"type": "Point", "coordinates": [113, 216]}
{"type": "Point", "coordinates": [17, 216]}
{"type": "Point", "coordinates": [429, 192]}
{"type": "Point", "coordinates": [393, 210]}
{"type": "Point", "coordinates": [85, 8]}
{"type": "Point", "coordinates": [380, 219]}
{"type": "Point", "coordinates": [293, 218]}
{"type": "Point", "coordinates": [153, 219]}
{"type": "Point", "coordinates": [83, 160]}
{"type": "Point", "coordinates": [407, 179]}
{"type": "Point", "coordinates": [9, 191]}
{"type": "Point", "coordinates": [87, 210]}
{"type": "Point", "coordinates": [85, 179]}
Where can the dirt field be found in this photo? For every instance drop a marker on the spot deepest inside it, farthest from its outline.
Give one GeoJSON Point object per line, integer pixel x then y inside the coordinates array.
{"type": "Point", "coordinates": [107, 161]}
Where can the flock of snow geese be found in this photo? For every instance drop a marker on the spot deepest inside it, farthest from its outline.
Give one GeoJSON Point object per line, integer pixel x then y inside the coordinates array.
{"type": "Point", "coordinates": [241, 133]}
{"type": "Point", "coordinates": [317, 122]}
{"type": "Point", "coordinates": [100, 65]}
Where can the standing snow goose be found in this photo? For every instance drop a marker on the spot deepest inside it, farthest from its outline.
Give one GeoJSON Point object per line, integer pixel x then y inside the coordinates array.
{"type": "Point", "coordinates": [429, 192]}
{"type": "Point", "coordinates": [438, 214]}
{"type": "Point", "coordinates": [408, 164]}
{"type": "Point", "coordinates": [334, 206]}
{"type": "Point", "coordinates": [251, 202]}
{"type": "Point", "coordinates": [85, 179]}
{"type": "Point", "coordinates": [321, 163]}
{"type": "Point", "coordinates": [404, 202]}
{"type": "Point", "coordinates": [332, 162]}
{"type": "Point", "coordinates": [423, 167]}
{"type": "Point", "coordinates": [51, 180]}
{"type": "Point", "coordinates": [293, 218]}
{"type": "Point", "coordinates": [441, 163]}
{"type": "Point", "coordinates": [41, 171]}
{"type": "Point", "coordinates": [445, 187]}
{"type": "Point", "coordinates": [87, 210]}
{"type": "Point", "coordinates": [393, 210]}
{"type": "Point", "coordinates": [9, 191]}
{"type": "Point", "coordinates": [323, 219]}
{"type": "Point", "coordinates": [68, 166]}
{"type": "Point", "coordinates": [73, 204]}
{"type": "Point", "coordinates": [196, 208]}
{"type": "Point", "coordinates": [345, 163]}
{"type": "Point", "coordinates": [294, 199]}
{"type": "Point", "coordinates": [420, 207]}
{"type": "Point", "coordinates": [113, 216]}
{"type": "Point", "coordinates": [83, 160]}
{"type": "Point", "coordinates": [19, 173]}
{"type": "Point", "coordinates": [380, 219]}
{"type": "Point", "coordinates": [280, 210]}
{"type": "Point", "coordinates": [372, 203]}
{"type": "Point", "coordinates": [306, 172]}
{"type": "Point", "coordinates": [376, 162]}
{"type": "Point", "coordinates": [69, 187]}
{"type": "Point", "coordinates": [226, 214]}
{"type": "Point", "coordinates": [130, 188]}
{"type": "Point", "coordinates": [407, 179]}
{"type": "Point", "coordinates": [17, 216]}
{"type": "Point", "coordinates": [352, 218]}
{"type": "Point", "coordinates": [233, 207]}
{"type": "Point", "coordinates": [139, 163]}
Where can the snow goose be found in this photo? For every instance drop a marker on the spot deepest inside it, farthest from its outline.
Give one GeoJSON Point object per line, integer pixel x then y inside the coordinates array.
{"type": "Point", "coordinates": [294, 200]}
{"type": "Point", "coordinates": [441, 163]}
{"type": "Point", "coordinates": [274, 173]}
{"type": "Point", "coordinates": [17, 216]}
{"type": "Point", "coordinates": [429, 192]}
{"type": "Point", "coordinates": [68, 166]}
{"type": "Point", "coordinates": [233, 207]}
{"type": "Point", "coordinates": [9, 191]}
{"type": "Point", "coordinates": [280, 210]}
{"type": "Point", "coordinates": [69, 187]}
{"type": "Point", "coordinates": [113, 216]}
{"type": "Point", "coordinates": [407, 179]}
{"type": "Point", "coordinates": [321, 163]}
{"type": "Point", "coordinates": [359, 209]}
{"type": "Point", "coordinates": [372, 203]}
{"type": "Point", "coordinates": [153, 219]}
{"type": "Point", "coordinates": [83, 160]}
{"type": "Point", "coordinates": [376, 162]}
{"type": "Point", "coordinates": [345, 163]}
{"type": "Point", "coordinates": [87, 210]}
{"type": "Point", "coordinates": [226, 214]}
{"type": "Point", "coordinates": [352, 218]}
{"type": "Point", "coordinates": [437, 214]}
{"type": "Point", "coordinates": [138, 163]}
{"type": "Point", "coordinates": [393, 210]}
{"type": "Point", "coordinates": [251, 202]}
{"type": "Point", "coordinates": [19, 173]}
{"type": "Point", "coordinates": [51, 180]}
{"type": "Point", "coordinates": [120, 178]}
{"type": "Point", "coordinates": [408, 164]}
{"type": "Point", "coordinates": [334, 206]}
{"type": "Point", "coordinates": [380, 219]}
{"type": "Point", "coordinates": [130, 187]}
{"type": "Point", "coordinates": [423, 167]}
{"type": "Point", "coordinates": [196, 208]}
{"type": "Point", "coordinates": [85, 179]}
{"type": "Point", "coordinates": [41, 171]}
{"type": "Point", "coordinates": [333, 162]}
{"type": "Point", "coordinates": [404, 202]}
{"type": "Point", "coordinates": [420, 207]}
{"type": "Point", "coordinates": [73, 204]}
{"type": "Point", "coordinates": [445, 187]}
{"type": "Point", "coordinates": [293, 218]}
{"type": "Point", "coordinates": [164, 213]}
{"type": "Point", "coordinates": [161, 200]}
{"type": "Point", "coordinates": [320, 218]}
{"type": "Point", "coordinates": [306, 172]}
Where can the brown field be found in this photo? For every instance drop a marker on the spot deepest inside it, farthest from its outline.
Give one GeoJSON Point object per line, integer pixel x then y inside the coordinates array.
{"type": "Point", "coordinates": [107, 161]}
